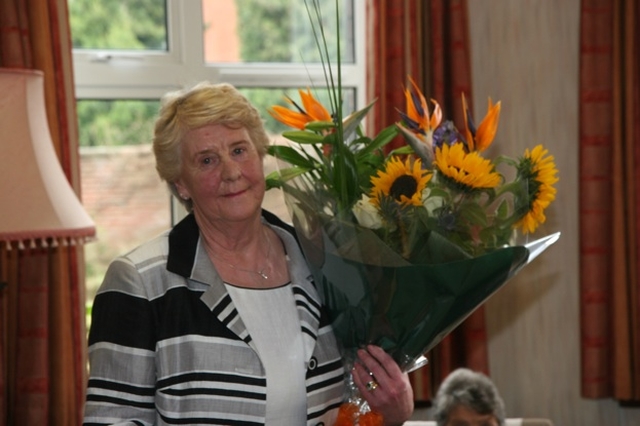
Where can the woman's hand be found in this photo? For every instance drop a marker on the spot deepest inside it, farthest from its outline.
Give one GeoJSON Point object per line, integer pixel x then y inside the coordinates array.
{"type": "Point", "coordinates": [385, 387]}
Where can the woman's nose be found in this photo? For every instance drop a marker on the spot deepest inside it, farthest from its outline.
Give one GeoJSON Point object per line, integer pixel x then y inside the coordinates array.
{"type": "Point", "coordinates": [230, 169]}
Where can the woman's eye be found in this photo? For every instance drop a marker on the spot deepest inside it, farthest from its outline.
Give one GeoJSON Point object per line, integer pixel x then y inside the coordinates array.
{"type": "Point", "coordinates": [207, 161]}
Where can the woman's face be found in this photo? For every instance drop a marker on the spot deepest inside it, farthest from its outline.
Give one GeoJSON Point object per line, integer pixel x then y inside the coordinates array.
{"type": "Point", "coordinates": [464, 416]}
{"type": "Point", "coordinates": [222, 173]}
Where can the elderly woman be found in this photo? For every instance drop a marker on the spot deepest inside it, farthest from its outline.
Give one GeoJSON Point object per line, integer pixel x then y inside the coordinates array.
{"type": "Point", "coordinates": [467, 397]}
{"type": "Point", "coordinates": [217, 321]}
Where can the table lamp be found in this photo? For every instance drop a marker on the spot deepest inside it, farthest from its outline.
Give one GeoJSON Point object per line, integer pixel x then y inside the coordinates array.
{"type": "Point", "coordinates": [38, 207]}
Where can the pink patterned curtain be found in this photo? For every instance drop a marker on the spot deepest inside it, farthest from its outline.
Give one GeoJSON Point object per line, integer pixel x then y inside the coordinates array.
{"type": "Point", "coordinates": [610, 198]}
{"type": "Point", "coordinates": [428, 41]}
{"type": "Point", "coordinates": [42, 337]}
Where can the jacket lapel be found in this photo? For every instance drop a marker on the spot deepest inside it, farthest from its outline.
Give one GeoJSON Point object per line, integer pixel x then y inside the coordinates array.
{"type": "Point", "coordinates": [187, 257]}
{"type": "Point", "coordinates": [216, 296]}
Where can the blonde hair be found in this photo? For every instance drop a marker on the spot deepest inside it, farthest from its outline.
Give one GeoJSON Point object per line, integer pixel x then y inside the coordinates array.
{"type": "Point", "coordinates": [184, 110]}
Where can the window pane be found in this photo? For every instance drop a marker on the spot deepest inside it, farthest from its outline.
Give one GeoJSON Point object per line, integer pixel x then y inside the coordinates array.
{"type": "Point", "coordinates": [272, 31]}
{"type": "Point", "coordinates": [116, 122]}
{"type": "Point", "coordinates": [121, 189]}
{"type": "Point", "coordinates": [117, 24]}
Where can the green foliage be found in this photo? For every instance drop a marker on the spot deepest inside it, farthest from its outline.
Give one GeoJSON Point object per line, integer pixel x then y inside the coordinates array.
{"type": "Point", "coordinates": [270, 23]}
{"type": "Point", "coordinates": [279, 31]}
{"type": "Point", "coordinates": [113, 24]}
{"type": "Point", "coordinates": [113, 123]}
{"type": "Point", "coordinates": [269, 31]}
{"type": "Point", "coordinates": [110, 24]}
{"type": "Point", "coordinates": [341, 174]}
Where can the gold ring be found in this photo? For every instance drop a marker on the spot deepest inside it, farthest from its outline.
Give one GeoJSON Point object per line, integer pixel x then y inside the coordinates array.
{"type": "Point", "coordinates": [372, 385]}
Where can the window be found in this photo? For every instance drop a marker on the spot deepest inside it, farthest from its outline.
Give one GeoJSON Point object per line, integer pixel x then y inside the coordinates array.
{"type": "Point", "coordinates": [128, 54]}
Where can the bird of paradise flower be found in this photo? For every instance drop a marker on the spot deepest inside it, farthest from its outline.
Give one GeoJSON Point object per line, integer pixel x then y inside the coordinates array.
{"type": "Point", "coordinates": [311, 111]}
{"type": "Point", "coordinates": [477, 208]}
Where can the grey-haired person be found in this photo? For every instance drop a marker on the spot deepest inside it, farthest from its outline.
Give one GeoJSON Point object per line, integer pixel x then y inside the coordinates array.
{"type": "Point", "coordinates": [468, 398]}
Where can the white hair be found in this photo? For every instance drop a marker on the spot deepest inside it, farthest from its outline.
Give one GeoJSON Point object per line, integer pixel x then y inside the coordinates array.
{"type": "Point", "coordinates": [471, 389]}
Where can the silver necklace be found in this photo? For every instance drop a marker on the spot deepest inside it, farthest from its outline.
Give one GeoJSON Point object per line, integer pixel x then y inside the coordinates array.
{"type": "Point", "coordinates": [252, 271]}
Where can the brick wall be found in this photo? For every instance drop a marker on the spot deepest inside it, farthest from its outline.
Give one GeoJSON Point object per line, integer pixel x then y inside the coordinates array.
{"type": "Point", "coordinates": [123, 194]}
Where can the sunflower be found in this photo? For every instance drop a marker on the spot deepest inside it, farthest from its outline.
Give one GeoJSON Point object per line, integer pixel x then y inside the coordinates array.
{"type": "Point", "coordinates": [400, 181]}
{"type": "Point", "coordinates": [313, 111]}
{"type": "Point", "coordinates": [539, 171]}
{"type": "Point", "coordinates": [469, 171]}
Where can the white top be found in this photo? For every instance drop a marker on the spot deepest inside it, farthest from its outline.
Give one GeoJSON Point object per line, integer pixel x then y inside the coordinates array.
{"type": "Point", "coordinates": [271, 318]}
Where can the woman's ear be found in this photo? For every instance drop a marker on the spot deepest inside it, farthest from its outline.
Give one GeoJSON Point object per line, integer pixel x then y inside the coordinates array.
{"type": "Point", "coordinates": [182, 190]}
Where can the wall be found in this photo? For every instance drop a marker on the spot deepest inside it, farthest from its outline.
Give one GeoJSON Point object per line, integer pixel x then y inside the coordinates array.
{"type": "Point", "coordinates": [129, 203]}
{"type": "Point", "coordinates": [525, 53]}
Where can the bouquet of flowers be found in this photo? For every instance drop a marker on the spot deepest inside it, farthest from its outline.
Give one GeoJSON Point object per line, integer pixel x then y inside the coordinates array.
{"type": "Point", "coordinates": [404, 244]}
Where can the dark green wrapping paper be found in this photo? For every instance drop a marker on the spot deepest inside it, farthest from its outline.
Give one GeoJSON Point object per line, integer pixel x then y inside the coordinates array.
{"type": "Point", "coordinates": [374, 295]}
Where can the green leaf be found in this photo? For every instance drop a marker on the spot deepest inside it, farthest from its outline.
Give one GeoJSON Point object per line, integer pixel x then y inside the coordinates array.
{"type": "Point", "coordinates": [439, 192]}
{"type": "Point", "coordinates": [277, 178]}
{"type": "Point", "coordinates": [352, 122]}
{"type": "Point", "coordinates": [320, 126]}
{"type": "Point", "coordinates": [303, 137]}
{"type": "Point", "coordinates": [345, 179]}
{"type": "Point", "coordinates": [287, 174]}
{"type": "Point", "coordinates": [384, 137]}
{"type": "Point", "coordinates": [474, 213]}
{"type": "Point", "coordinates": [272, 183]}
{"type": "Point", "coordinates": [292, 156]}
{"type": "Point", "coordinates": [502, 212]}
{"type": "Point", "coordinates": [403, 150]}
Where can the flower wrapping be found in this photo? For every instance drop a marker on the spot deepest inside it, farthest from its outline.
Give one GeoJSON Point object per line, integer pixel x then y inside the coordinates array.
{"type": "Point", "coordinates": [403, 250]}
{"type": "Point", "coordinates": [405, 243]}
{"type": "Point", "coordinates": [372, 295]}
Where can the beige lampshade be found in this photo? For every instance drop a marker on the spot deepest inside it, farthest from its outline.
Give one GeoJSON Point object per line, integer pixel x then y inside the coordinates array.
{"type": "Point", "coordinates": [37, 204]}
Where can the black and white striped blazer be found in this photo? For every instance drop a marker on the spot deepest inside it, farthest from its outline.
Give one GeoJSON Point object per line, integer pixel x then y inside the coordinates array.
{"type": "Point", "coordinates": [167, 345]}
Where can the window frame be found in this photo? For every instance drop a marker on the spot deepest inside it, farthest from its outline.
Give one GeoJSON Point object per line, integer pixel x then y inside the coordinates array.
{"type": "Point", "coordinates": [146, 75]}
{"type": "Point", "coordinates": [126, 74]}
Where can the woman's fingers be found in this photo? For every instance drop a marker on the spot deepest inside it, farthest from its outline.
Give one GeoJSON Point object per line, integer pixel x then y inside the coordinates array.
{"type": "Point", "coordinates": [376, 362]}
{"type": "Point", "coordinates": [381, 382]}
